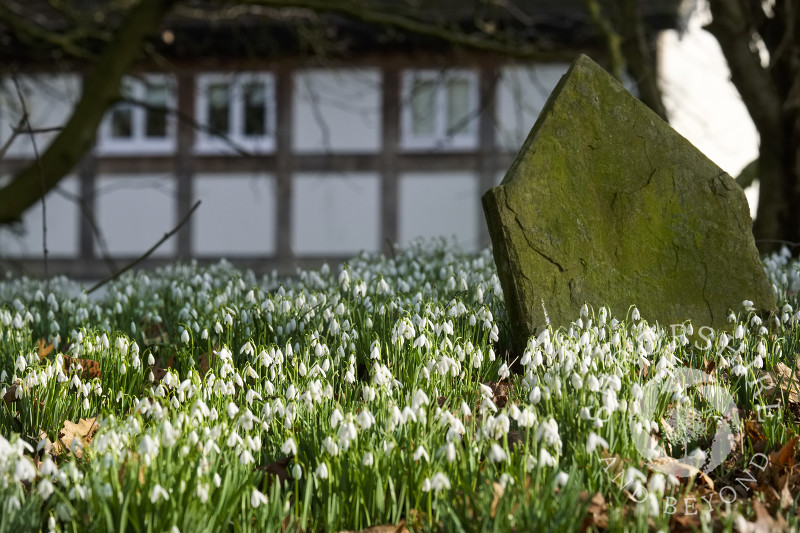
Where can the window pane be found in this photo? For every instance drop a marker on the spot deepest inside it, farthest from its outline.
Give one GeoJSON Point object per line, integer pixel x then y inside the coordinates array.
{"type": "Point", "coordinates": [218, 101]}
{"type": "Point", "coordinates": [155, 124]}
{"type": "Point", "coordinates": [255, 109]}
{"type": "Point", "coordinates": [122, 122]}
{"type": "Point", "coordinates": [423, 103]}
{"type": "Point", "coordinates": [457, 105]}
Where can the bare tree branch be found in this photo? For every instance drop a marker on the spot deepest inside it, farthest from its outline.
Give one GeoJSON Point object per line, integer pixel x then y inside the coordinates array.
{"type": "Point", "coordinates": [149, 252]}
{"type": "Point", "coordinates": [101, 88]}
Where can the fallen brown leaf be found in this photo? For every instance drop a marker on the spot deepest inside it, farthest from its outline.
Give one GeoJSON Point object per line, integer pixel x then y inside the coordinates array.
{"type": "Point", "coordinates": [670, 465]}
{"type": "Point", "coordinates": [386, 528]}
{"type": "Point", "coordinates": [498, 493]}
{"type": "Point", "coordinates": [44, 348]}
{"type": "Point", "coordinates": [597, 512]}
{"type": "Point", "coordinates": [763, 523]}
{"type": "Point", "coordinates": [83, 431]}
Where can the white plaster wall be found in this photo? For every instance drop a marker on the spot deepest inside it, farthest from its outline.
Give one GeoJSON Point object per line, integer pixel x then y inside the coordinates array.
{"type": "Point", "coordinates": [237, 216]}
{"type": "Point", "coordinates": [134, 212]}
{"type": "Point", "coordinates": [521, 94]}
{"type": "Point", "coordinates": [442, 204]}
{"type": "Point", "coordinates": [335, 213]}
{"type": "Point", "coordinates": [63, 215]}
{"type": "Point", "coordinates": [49, 99]}
{"type": "Point", "coordinates": [337, 110]}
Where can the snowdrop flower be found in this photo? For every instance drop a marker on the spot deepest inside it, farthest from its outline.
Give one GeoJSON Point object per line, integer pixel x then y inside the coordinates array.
{"type": "Point", "coordinates": [289, 447]}
{"type": "Point", "coordinates": [595, 440]}
{"type": "Point", "coordinates": [185, 336]}
{"type": "Point", "coordinates": [297, 471]}
{"type": "Point", "coordinates": [232, 410]}
{"type": "Point", "coordinates": [368, 459]}
{"type": "Point", "coordinates": [545, 459]}
{"type": "Point", "coordinates": [561, 479]}
{"type": "Point", "coordinates": [576, 380]}
{"type": "Point", "coordinates": [336, 417]}
{"type": "Point", "coordinates": [331, 447]}
{"type": "Point", "coordinates": [257, 498]}
{"type": "Point", "coordinates": [535, 395]}
{"type": "Point", "coordinates": [322, 471]}
{"type": "Point", "coordinates": [45, 488]}
{"type": "Point", "coordinates": [497, 454]}
{"type": "Point", "coordinates": [503, 372]}
{"type": "Point", "coordinates": [365, 419]}
{"type": "Point", "coordinates": [440, 481]}
{"type": "Point", "coordinates": [157, 493]}
{"type": "Point", "coordinates": [420, 453]}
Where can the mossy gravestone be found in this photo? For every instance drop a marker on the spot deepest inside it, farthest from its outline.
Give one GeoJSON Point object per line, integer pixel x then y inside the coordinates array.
{"type": "Point", "coordinates": [607, 204]}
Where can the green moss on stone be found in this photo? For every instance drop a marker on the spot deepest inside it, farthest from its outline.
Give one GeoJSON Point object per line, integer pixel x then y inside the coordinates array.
{"type": "Point", "coordinates": [607, 204]}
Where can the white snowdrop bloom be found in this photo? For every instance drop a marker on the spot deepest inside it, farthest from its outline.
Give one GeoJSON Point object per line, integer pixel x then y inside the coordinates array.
{"type": "Point", "coordinates": [561, 479]}
{"type": "Point", "coordinates": [365, 419]}
{"type": "Point", "coordinates": [169, 435]}
{"type": "Point", "coordinates": [368, 459]}
{"type": "Point", "coordinates": [289, 447]}
{"type": "Point", "coordinates": [594, 441]}
{"type": "Point", "coordinates": [322, 471]}
{"type": "Point", "coordinates": [297, 471]}
{"type": "Point", "coordinates": [739, 370]}
{"type": "Point", "coordinates": [758, 362]}
{"type": "Point", "coordinates": [465, 410]}
{"type": "Point", "coordinates": [503, 372]}
{"type": "Point", "coordinates": [635, 316]}
{"type": "Point", "coordinates": [426, 485]}
{"type": "Point", "coordinates": [257, 498]}
{"type": "Point", "coordinates": [291, 392]}
{"type": "Point", "coordinates": [496, 427]}
{"type": "Point", "coordinates": [375, 353]}
{"type": "Point", "coordinates": [45, 488]}
{"type": "Point", "coordinates": [336, 417]}
{"type": "Point", "coordinates": [497, 454]}
{"type": "Point", "coordinates": [232, 410]}
{"type": "Point", "coordinates": [419, 399]}
{"type": "Point", "coordinates": [347, 432]}
{"type": "Point", "coordinates": [545, 459]}
{"type": "Point", "coordinates": [535, 395]}
{"type": "Point", "coordinates": [21, 364]}
{"type": "Point", "coordinates": [657, 483]}
{"type": "Point", "coordinates": [592, 383]}
{"type": "Point", "coordinates": [526, 418]}
{"type": "Point", "coordinates": [576, 381]}
{"type": "Point", "coordinates": [548, 431]}
{"type": "Point", "coordinates": [486, 392]}
{"type": "Point", "coordinates": [738, 332]}
{"type": "Point", "coordinates": [185, 336]}
{"type": "Point", "coordinates": [246, 458]}
{"type": "Point", "coordinates": [330, 446]}
{"type": "Point", "coordinates": [148, 448]}
{"type": "Point", "coordinates": [449, 451]}
{"type": "Point", "coordinates": [421, 453]}
{"type": "Point", "coordinates": [157, 493]}
{"type": "Point", "coordinates": [440, 481]}
{"type": "Point", "coordinates": [637, 393]}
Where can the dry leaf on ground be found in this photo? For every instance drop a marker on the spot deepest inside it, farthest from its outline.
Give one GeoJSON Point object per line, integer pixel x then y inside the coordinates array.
{"type": "Point", "coordinates": [670, 465]}
{"type": "Point", "coordinates": [763, 523]}
{"type": "Point", "coordinates": [597, 512]}
{"type": "Point", "coordinates": [386, 528]}
{"type": "Point", "coordinates": [83, 431]}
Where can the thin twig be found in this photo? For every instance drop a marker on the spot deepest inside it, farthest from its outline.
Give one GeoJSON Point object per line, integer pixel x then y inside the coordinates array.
{"type": "Point", "coordinates": [13, 136]}
{"type": "Point", "coordinates": [30, 130]}
{"type": "Point", "coordinates": [53, 129]}
{"type": "Point", "coordinates": [147, 254]}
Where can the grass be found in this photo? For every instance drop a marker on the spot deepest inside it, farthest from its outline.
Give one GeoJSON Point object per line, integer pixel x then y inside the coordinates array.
{"type": "Point", "coordinates": [205, 399]}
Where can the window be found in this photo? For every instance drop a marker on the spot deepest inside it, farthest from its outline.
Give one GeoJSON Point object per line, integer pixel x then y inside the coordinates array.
{"type": "Point", "coordinates": [141, 125]}
{"type": "Point", "coordinates": [439, 110]}
{"type": "Point", "coordinates": [235, 111]}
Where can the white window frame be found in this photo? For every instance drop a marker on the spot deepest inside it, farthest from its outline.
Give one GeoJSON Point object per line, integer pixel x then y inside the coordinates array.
{"type": "Point", "coordinates": [139, 143]}
{"type": "Point", "coordinates": [208, 143]}
{"type": "Point", "coordinates": [440, 140]}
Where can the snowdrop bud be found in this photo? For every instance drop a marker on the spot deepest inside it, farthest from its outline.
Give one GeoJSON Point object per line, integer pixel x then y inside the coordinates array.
{"type": "Point", "coordinates": [185, 336]}
{"type": "Point", "coordinates": [368, 459]}
{"type": "Point", "coordinates": [322, 471]}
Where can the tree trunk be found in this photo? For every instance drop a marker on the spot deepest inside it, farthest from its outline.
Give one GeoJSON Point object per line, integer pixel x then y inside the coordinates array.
{"type": "Point", "coordinates": [767, 92]}
{"type": "Point", "coordinates": [100, 91]}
